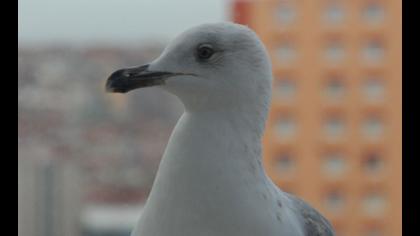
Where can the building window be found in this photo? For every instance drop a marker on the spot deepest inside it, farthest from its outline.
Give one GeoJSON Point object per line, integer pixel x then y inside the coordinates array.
{"type": "Point", "coordinates": [285, 53]}
{"type": "Point", "coordinates": [334, 201]}
{"type": "Point", "coordinates": [334, 51]}
{"type": "Point", "coordinates": [373, 89]}
{"type": "Point", "coordinates": [285, 163]}
{"type": "Point", "coordinates": [334, 126]}
{"type": "Point", "coordinates": [373, 203]}
{"type": "Point", "coordinates": [334, 14]}
{"type": "Point", "coordinates": [334, 88]}
{"type": "Point", "coordinates": [334, 164]}
{"type": "Point", "coordinates": [372, 127]}
{"type": "Point", "coordinates": [373, 13]}
{"type": "Point", "coordinates": [285, 14]}
{"type": "Point", "coordinates": [285, 88]}
{"type": "Point", "coordinates": [286, 127]}
{"type": "Point", "coordinates": [373, 51]}
{"type": "Point", "coordinates": [373, 163]}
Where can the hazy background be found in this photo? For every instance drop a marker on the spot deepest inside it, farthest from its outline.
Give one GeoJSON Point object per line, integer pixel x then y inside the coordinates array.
{"type": "Point", "coordinates": [114, 22]}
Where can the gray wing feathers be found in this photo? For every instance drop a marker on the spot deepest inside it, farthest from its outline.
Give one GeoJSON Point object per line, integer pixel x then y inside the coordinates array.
{"type": "Point", "coordinates": [315, 224]}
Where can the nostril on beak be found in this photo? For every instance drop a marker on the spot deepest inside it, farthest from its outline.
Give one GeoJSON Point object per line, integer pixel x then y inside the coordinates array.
{"type": "Point", "coordinates": [128, 74]}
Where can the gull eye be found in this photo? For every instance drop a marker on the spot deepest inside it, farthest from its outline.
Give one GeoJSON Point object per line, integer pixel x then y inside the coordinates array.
{"type": "Point", "coordinates": [204, 51]}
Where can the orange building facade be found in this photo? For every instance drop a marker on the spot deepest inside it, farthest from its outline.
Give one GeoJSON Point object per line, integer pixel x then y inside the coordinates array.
{"type": "Point", "coordinates": [334, 134]}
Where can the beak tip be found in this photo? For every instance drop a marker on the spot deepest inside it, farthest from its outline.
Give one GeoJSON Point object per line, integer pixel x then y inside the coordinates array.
{"type": "Point", "coordinates": [125, 80]}
{"type": "Point", "coordinates": [111, 89]}
{"type": "Point", "coordinates": [108, 86]}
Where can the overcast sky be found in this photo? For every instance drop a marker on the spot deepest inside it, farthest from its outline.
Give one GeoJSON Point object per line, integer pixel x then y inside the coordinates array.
{"type": "Point", "coordinates": [113, 21]}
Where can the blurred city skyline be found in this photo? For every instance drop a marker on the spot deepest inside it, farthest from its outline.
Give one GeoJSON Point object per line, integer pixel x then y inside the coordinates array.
{"type": "Point", "coordinates": [86, 23]}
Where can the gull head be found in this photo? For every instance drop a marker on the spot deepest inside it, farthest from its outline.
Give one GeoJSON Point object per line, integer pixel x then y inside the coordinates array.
{"type": "Point", "coordinates": [210, 66]}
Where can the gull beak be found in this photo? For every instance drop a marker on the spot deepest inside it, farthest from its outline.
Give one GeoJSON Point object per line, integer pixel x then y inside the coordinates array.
{"type": "Point", "coordinates": [125, 80]}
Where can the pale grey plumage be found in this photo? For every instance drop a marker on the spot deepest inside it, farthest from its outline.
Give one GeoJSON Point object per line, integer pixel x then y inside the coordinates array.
{"type": "Point", "coordinates": [314, 223]}
{"type": "Point", "coordinates": [211, 180]}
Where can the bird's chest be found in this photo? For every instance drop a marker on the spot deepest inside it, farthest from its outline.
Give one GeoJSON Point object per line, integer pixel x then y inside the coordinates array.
{"type": "Point", "coordinates": [198, 219]}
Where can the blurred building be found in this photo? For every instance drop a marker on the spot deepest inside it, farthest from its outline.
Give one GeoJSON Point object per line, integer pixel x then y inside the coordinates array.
{"type": "Point", "coordinates": [110, 220]}
{"type": "Point", "coordinates": [49, 198]}
{"type": "Point", "coordinates": [334, 132]}
{"type": "Point", "coordinates": [84, 153]}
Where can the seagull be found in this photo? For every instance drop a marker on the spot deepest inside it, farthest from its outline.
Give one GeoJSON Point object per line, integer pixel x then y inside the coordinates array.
{"type": "Point", "coordinates": [210, 181]}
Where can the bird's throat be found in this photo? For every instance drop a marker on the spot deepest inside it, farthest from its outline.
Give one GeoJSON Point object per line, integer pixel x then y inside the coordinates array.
{"type": "Point", "coordinates": [209, 155]}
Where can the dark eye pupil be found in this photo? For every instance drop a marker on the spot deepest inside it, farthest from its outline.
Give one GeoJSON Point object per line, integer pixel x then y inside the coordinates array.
{"type": "Point", "coordinates": [205, 52]}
